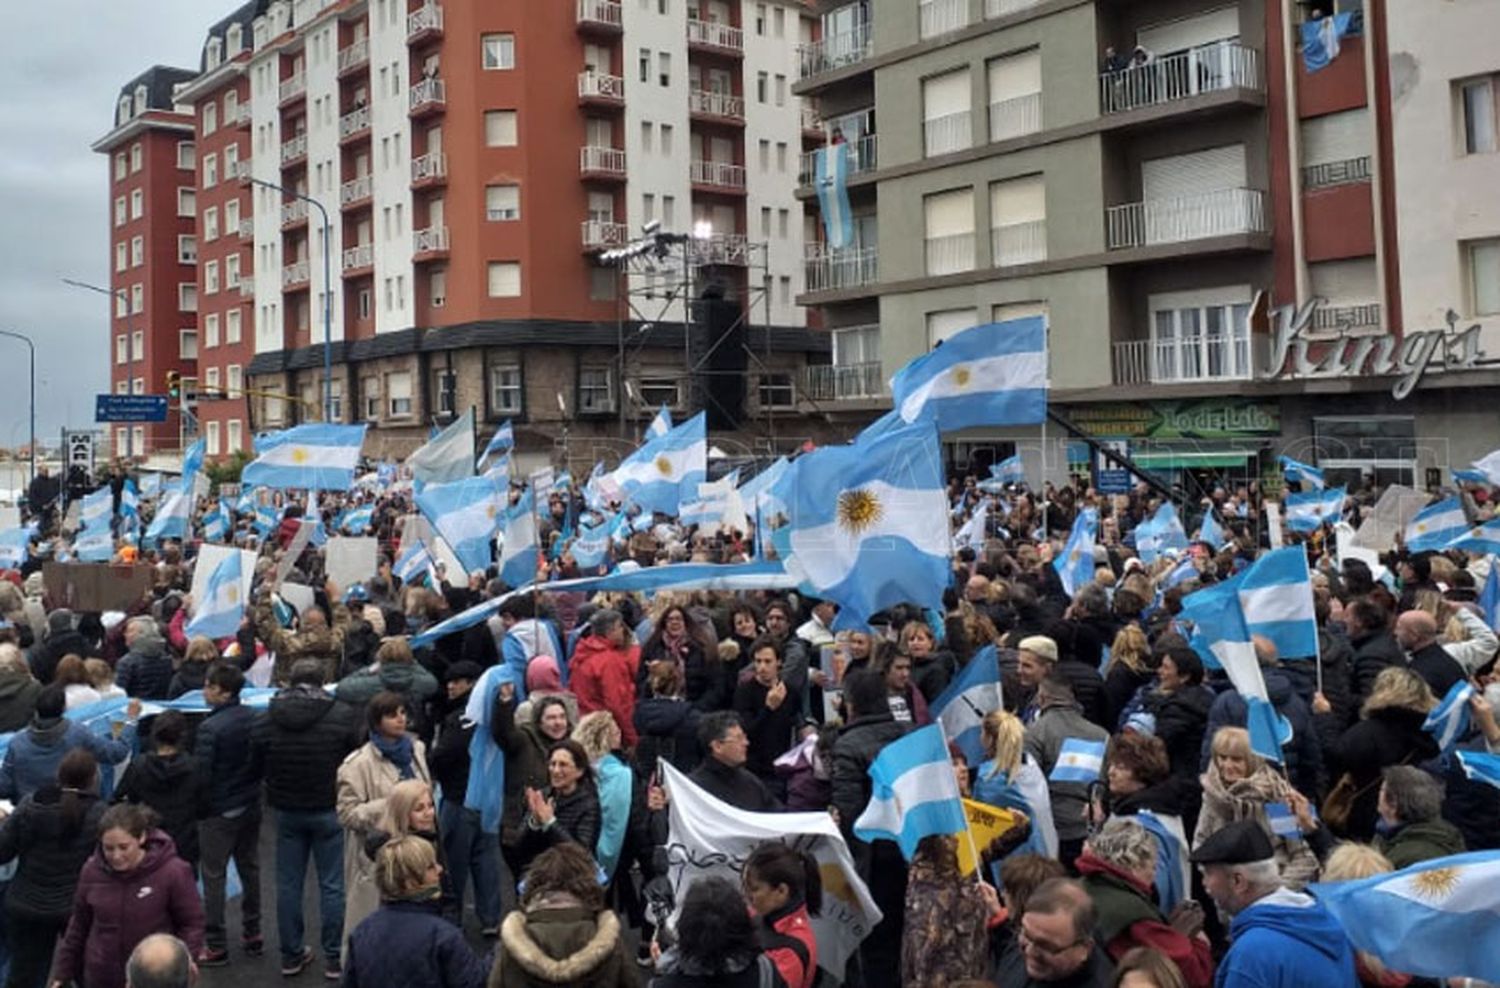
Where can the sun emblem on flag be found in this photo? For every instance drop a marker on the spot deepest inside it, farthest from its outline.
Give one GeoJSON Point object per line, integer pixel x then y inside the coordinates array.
{"type": "Point", "coordinates": [664, 466]}
{"type": "Point", "coordinates": [490, 512]}
{"type": "Point", "coordinates": [1436, 884]}
{"type": "Point", "coordinates": [962, 376]}
{"type": "Point", "coordinates": [1421, 526]}
{"type": "Point", "coordinates": [232, 594]}
{"type": "Point", "coordinates": [299, 455]}
{"type": "Point", "coordinates": [858, 510]}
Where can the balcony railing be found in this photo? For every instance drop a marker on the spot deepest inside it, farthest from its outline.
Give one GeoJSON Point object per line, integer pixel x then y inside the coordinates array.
{"type": "Point", "coordinates": [428, 92]}
{"type": "Point", "coordinates": [247, 288]}
{"type": "Point", "coordinates": [1165, 221]}
{"type": "Point", "coordinates": [720, 174]}
{"type": "Point", "coordinates": [841, 382]}
{"type": "Point", "coordinates": [355, 190]}
{"type": "Point", "coordinates": [1220, 357]}
{"type": "Point", "coordinates": [354, 121]}
{"type": "Point", "coordinates": [433, 164]}
{"type": "Point", "coordinates": [949, 254]}
{"type": "Point", "coordinates": [1206, 69]}
{"type": "Point", "coordinates": [428, 17]}
{"type": "Point", "coordinates": [293, 149]}
{"type": "Point", "coordinates": [604, 234]}
{"type": "Point", "coordinates": [293, 87]}
{"type": "Point", "coordinates": [935, 17]}
{"type": "Point", "coordinates": [721, 248]}
{"type": "Point", "coordinates": [716, 104]}
{"type": "Point", "coordinates": [242, 171]}
{"type": "Point", "coordinates": [1015, 117]}
{"type": "Point", "coordinates": [362, 256]}
{"type": "Point", "coordinates": [600, 13]}
{"type": "Point", "coordinates": [1343, 317]}
{"type": "Point", "coordinates": [593, 85]}
{"type": "Point", "coordinates": [296, 273]}
{"type": "Point", "coordinates": [712, 34]}
{"type": "Point", "coordinates": [247, 229]}
{"type": "Point", "coordinates": [949, 132]}
{"type": "Point", "coordinates": [434, 239]}
{"type": "Point", "coordinates": [828, 270]}
{"type": "Point", "coordinates": [1346, 172]}
{"type": "Point", "coordinates": [834, 52]}
{"type": "Point", "coordinates": [601, 160]}
{"type": "Point", "coordinates": [863, 157]}
{"type": "Point", "coordinates": [353, 56]}
{"type": "Point", "coordinates": [1019, 243]}
{"type": "Point", "coordinates": [242, 114]}
{"type": "Point", "coordinates": [1004, 8]}
{"type": "Point", "coordinates": [812, 120]}
{"type": "Point", "coordinates": [293, 212]}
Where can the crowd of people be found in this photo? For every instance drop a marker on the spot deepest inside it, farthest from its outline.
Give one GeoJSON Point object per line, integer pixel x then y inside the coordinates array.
{"type": "Point", "coordinates": [370, 758]}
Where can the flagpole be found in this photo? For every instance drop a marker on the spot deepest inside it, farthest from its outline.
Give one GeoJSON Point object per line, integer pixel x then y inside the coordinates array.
{"type": "Point", "coordinates": [1047, 348]}
{"type": "Point", "coordinates": [968, 831]}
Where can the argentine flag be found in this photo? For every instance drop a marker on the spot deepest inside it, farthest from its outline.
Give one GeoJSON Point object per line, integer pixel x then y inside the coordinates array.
{"type": "Point", "coordinates": [1275, 594]}
{"type": "Point", "coordinates": [1477, 477]}
{"type": "Point", "coordinates": [990, 375]}
{"type": "Point", "coordinates": [1210, 531]}
{"type": "Point", "coordinates": [1078, 760]}
{"type": "Point", "coordinates": [1221, 637]}
{"type": "Point", "coordinates": [15, 546]}
{"type": "Point", "coordinates": [1480, 766]}
{"type": "Point", "coordinates": [1308, 511]}
{"type": "Point", "coordinates": [1310, 477]}
{"type": "Point", "coordinates": [216, 523]}
{"type": "Point", "coordinates": [831, 165]}
{"type": "Point", "coordinates": [192, 462]}
{"type": "Point", "coordinates": [173, 517]}
{"type": "Point", "coordinates": [219, 613]}
{"type": "Point", "coordinates": [914, 793]}
{"type": "Point", "coordinates": [130, 500]}
{"type": "Point", "coordinates": [1482, 539]}
{"type": "Point", "coordinates": [518, 552]}
{"type": "Point", "coordinates": [503, 439]}
{"type": "Point", "coordinates": [413, 561]}
{"type": "Point", "coordinates": [467, 515]}
{"type": "Point", "coordinates": [661, 425]}
{"type": "Point", "coordinates": [94, 545]}
{"type": "Point", "coordinates": [1437, 525]}
{"type": "Point", "coordinates": [662, 472]}
{"type": "Point", "coordinates": [1448, 722]}
{"type": "Point", "coordinates": [97, 508]}
{"type": "Point", "coordinates": [591, 548]}
{"type": "Point", "coordinates": [356, 521]}
{"type": "Point", "coordinates": [973, 532]}
{"type": "Point", "coordinates": [1009, 470]}
{"type": "Point", "coordinates": [868, 523]}
{"type": "Point", "coordinates": [1489, 465]}
{"type": "Point", "coordinates": [445, 458]}
{"type": "Point", "coordinates": [1075, 566]}
{"type": "Point", "coordinates": [1489, 597]}
{"type": "Point", "coordinates": [307, 456]}
{"type": "Point", "coordinates": [1159, 533]}
{"type": "Point", "coordinates": [972, 695]}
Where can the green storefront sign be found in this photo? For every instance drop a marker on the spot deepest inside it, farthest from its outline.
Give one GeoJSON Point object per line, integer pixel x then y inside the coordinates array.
{"type": "Point", "coordinates": [1194, 418]}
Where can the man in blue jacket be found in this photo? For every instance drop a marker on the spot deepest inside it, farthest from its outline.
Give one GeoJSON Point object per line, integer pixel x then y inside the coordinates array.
{"type": "Point", "coordinates": [1277, 936]}
{"type": "Point", "coordinates": [32, 758]}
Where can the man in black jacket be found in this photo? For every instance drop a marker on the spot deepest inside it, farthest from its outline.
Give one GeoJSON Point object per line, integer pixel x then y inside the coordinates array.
{"type": "Point", "coordinates": [302, 739]}
{"type": "Point", "coordinates": [1417, 633]}
{"type": "Point", "coordinates": [61, 640]}
{"type": "Point", "coordinates": [722, 773]}
{"type": "Point", "coordinates": [470, 852]}
{"type": "Point", "coordinates": [1374, 646]}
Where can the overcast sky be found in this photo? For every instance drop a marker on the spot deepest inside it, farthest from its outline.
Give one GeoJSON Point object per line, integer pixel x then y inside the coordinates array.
{"type": "Point", "coordinates": [62, 64]}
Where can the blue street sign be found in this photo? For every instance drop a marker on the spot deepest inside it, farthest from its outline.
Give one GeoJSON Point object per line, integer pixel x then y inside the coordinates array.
{"type": "Point", "coordinates": [130, 408]}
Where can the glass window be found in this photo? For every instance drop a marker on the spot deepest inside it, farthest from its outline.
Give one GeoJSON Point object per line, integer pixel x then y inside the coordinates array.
{"type": "Point", "coordinates": [776, 391]}
{"type": "Point", "coordinates": [398, 391]}
{"type": "Point", "coordinates": [502, 202]}
{"type": "Point", "coordinates": [505, 390]}
{"type": "Point", "coordinates": [499, 51]}
{"type": "Point", "coordinates": [594, 391]}
{"type": "Point", "coordinates": [505, 279]}
{"type": "Point", "coordinates": [1479, 116]}
{"type": "Point", "coordinates": [500, 128]}
{"type": "Point", "coordinates": [1484, 276]}
{"type": "Point", "coordinates": [656, 390]}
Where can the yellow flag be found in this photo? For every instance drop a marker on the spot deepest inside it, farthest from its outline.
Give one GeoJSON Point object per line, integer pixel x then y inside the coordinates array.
{"type": "Point", "coordinates": [985, 824]}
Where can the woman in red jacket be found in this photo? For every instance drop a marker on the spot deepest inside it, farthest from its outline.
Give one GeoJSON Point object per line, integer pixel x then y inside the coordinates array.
{"type": "Point", "coordinates": [785, 891]}
{"type": "Point", "coordinates": [134, 885]}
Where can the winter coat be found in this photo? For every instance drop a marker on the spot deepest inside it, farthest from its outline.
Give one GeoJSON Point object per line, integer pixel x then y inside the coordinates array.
{"type": "Point", "coordinates": [324, 644]}
{"type": "Point", "coordinates": [575, 817]}
{"type": "Point", "coordinates": [34, 754]}
{"type": "Point", "coordinates": [409, 679]}
{"type": "Point", "coordinates": [562, 944]}
{"type": "Point", "coordinates": [1246, 800]}
{"type": "Point", "coordinates": [1388, 736]}
{"type": "Point", "coordinates": [1181, 722]}
{"type": "Point", "coordinates": [114, 911]}
{"type": "Point", "coordinates": [943, 938]}
{"type": "Point", "coordinates": [1304, 755]}
{"type": "Point", "coordinates": [188, 677]}
{"type": "Point", "coordinates": [227, 761]}
{"type": "Point", "coordinates": [50, 857]}
{"type": "Point", "coordinates": [1372, 653]}
{"type": "Point", "coordinates": [1120, 684]}
{"type": "Point", "coordinates": [449, 756]}
{"type": "Point", "coordinates": [146, 670]}
{"type": "Point", "coordinates": [18, 691]}
{"type": "Point", "coordinates": [47, 653]}
{"type": "Point", "coordinates": [1441, 670]}
{"type": "Point", "coordinates": [526, 749]}
{"type": "Point", "coordinates": [173, 787]}
{"type": "Point", "coordinates": [1088, 688]}
{"type": "Point", "coordinates": [703, 678]}
{"type": "Point", "coordinates": [1126, 918]}
{"type": "Point", "coordinates": [738, 971]}
{"type": "Point", "coordinates": [410, 943]}
{"type": "Point", "coordinates": [1044, 741]}
{"type": "Point", "coordinates": [302, 739]}
{"type": "Point", "coordinates": [788, 940]}
{"type": "Point", "coordinates": [1337, 660]}
{"type": "Point", "coordinates": [769, 731]}
{"type": "Point", "coordinates": [933, 674]}
{"type": "Point", "coordinates": [1287, 938]}
{"type": "Point", "coordinates": [739, 787]}
{"type": "Point", "coordinates": [857, 745]}
{"type": "Point", "coordinates": [604, 678]}
{"type": "Point", "coordinates": [365, 779]}
{"type": "Point", "coordinates": [1416, 842]}
{"type": "Point", "coordinates": [1098, 971]}
{"type": "Point", "coordinates": [667, 728]}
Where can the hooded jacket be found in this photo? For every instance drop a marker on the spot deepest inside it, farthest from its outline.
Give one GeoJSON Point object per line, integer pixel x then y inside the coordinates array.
{"type": "Point", "coordinates": [1417, 842]}
{"type": "Point", "coordinates": [188, 677]}
{"type": "Point", "coordinates": [407, 678]}
{"type": "Point", "coordinates": [33, 756]}
{"type": "Point", "coordinates": [303, 738]}
{"type": "Point", "coordinates": [146, 670]}
{"type": "Point", "coordinates": [562, 944]}
{"type": "Point", "coordinates": [1372, 653]}
{"type": "Point", "coordinates": [113, 911]}
{"type": "Point", "coordinates": [667, 728]}
{"type": "Point", "coordinates": [18, 691]}
{"type": "Point", "coordinates": [1287, 938]}
{"type": "Point", "coordinates": [173, 788]}
{"type": "Point", "coordinates": [604, 678]}
{"type": "Point", "coordinates": [50, 856]}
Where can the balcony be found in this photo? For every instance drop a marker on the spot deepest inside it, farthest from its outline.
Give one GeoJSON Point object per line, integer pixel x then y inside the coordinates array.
{"type": "Point", "coordinates": [717, 107]}
{"type": "Point", "coordinates": [1168, 221]}
{"type": "Point", "coordinates": [717, 176]}
{"type": "Point", "coordinates": [949, 254]}
{"type": "Point", "coordinates": [424, 23]}
{"type": "Point", "coordinates": [938, 17]}
{"type": "Point", "coordinates": [833, 52]}
{"type": "Point", "coordinates": [1015, 117]}
{"type": "Point", "coordinates": [844, 382]}
{"type": "Point", "coordinates": [242, 115]}
{"type": "Point", "coordinates": [603, 235]}
{"type": "Point", "coordinates": [1347, 172]}
{"type": "Point", "coordinates": [354, 124]}
{"type": "Point", "coordinates": [294, 150]}
{"type": "Point", "coordinates": [295, 275]}
{"type": "Point", "coordinates": [714, 37]}
{"type": "Point", "coordinates": [247, 231]}
{"type": "Point", "coordinates": [863, 158]}
{"type": "Point", "coordinates": [595, 89]}
{"type": "Point", "coordinates": [247, 288]}
{"type": "Point", "coordinates": [427, 97]}
{"type": "Point", "coordinates": [292, 88]}
{"type": "Point", "coordinates": [1195, 359]}
{"type": "Point", "coordinates": [355, 56]}
{"type": "Point", "coordinates": [358, 260]}
{"type": "Point", "coordinates": [293, 213]}
{"type": "Point", "coordinates": [1352, 318]}
{"type": "Point", "coordinates": [356, 192]}
{"type": "Point", "coordinates": [430, 169]}
{"type": "Point", "coordinates": [1005, 8]}
{"type": "Point", "coordinates": [430, 243]}
{"type": "Point", "coordinates": [830, 270]}
{"type": "Point", "coordinates": [1221, 66]}
{"type": "Point", "coordinates": [947, 133]}
{"type": "Point", "coordinates": [601, 162]}
{"type": "Point", "coordinates": [730, 249]}
{"type": "Point", "coordinates": [812, 122]}
{"type": "Point", "coordinates": [241, 171]}
{"type": "Point", "coordinates": [1018, 243]}
{"type": "Point", "coordinates": [601, 16]}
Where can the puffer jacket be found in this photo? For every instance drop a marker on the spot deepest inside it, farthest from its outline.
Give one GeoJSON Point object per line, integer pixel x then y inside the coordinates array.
{"type": "Point", "coordinates": [667, 728]}
{"type": "Point", "coordinates": [788, 940]}
{"type": "Point", "coordinates": [410, 943]}
{"type": "Point", "coordinates": [556, 941]}
{"type": "Point", "coordinates": [407, 678]}
{"type": "Point", "coordinates": [146, 670]}
{"type": "Point", "coordinates": [50, 856]}
{"type": "Point", "coordinates": [1181, 721]}
{"type": "Point", "coordinates": [189, 676]}
{"type": "Point", "coordinates": [228, 762]}
{"type": "Point", "coordinates": [18, 692]}
{"type": "Point", "coordinates": [576, 818]}
{"type": "Point", "coordinates": [1388, 736]}
{"type": "Point", "coordinates": [173, 788]}
{"type": "Point", "coordinates": [933, 674]}
{"type": "Point", "coordinates": [47, 653]}
{"type": "Point", "coordinates": [303, 738]}
{"type": "Point", "coordinates": [856, 747]}
{"type": "Point", "coordinates": [1246, 800]}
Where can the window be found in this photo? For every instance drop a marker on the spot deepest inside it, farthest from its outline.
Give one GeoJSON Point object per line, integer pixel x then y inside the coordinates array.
{"type": "Point", "coordinates": [1484, 276]}
{"type": "Point", "coordinates": [500, 128]}
{"type": "Point", "coordinates": [187, 297]}
{"type": "Point", "coordinates": [776, 391]}
{"type": "Point", "coordinates": [398, 391]}
{"type": "Point", "coordinates": [364, 303]}
{"type": "Point", "coordinates": [231, 106]}
{"type": "Point", "coordinates": [762, 86]}
{"type": "Point", "coordinates": [187, 249]}
{"type": "Point", "coordinates": [499, 51]}
{"type": "Point", "coordinates": [122, 303]}
{"type": "Point", "coordinates": [137, 157]}
{"type": "Point", "coordinates": [187, 202]}
{"type": "Point", "coordinates": [210, 171]}
{"type": "Point", "coordinates": [211, 439]}
{"type": "Point", "coordinates": [444, 391]}
{"type": "Point", "coordinates": [210, 330]}
{"type": "Point", "coordinates": [647, 130]}
{"type": "Point", "coordinates": [122, 166]}
{"type": "Point", "coordinates": [781, 156]}
{"type": "Point", "coordinates": [138, 345]}
{"type": "Point", "coordinates": [187, 344]}
{"type": "Point", "coordinates": [1477, 101]}
{"type": "Point", "coordinates": [502, 202]}
{"type": "Point", "coordinates": [1015, 94]}
{"type": "Point", "coordinates": [137, 251]}
{"type": "Point", "coordinates": [1018, 221]}
{"type": "Point", "coordinates": [231, 161]}
{"type": "Point", "coordinates": [780, 89]}
{"type": "Point", "coordinates": [232, 320]}
{"type": "Point", "coordinates": [232, 271]}
{"type": "Point", "coordinates": [949, 231]}
{"type": "Point", "coordinates": [122, 349]}
{"type": "Point", "coordinates": [602, 285]}
{"type": "Point", "coordinates": [211, 224]}
{"type": "Point", "coordinates": [137, 203]}
{"type": "Point", "coordinates": [186, 157]}
{"type": "Point", "coordinates": [232, 213]}
{"type": "Point", "coordinates": [669, 211]}
{"type": "Point", "coordinates": [211, 278]}
{"type": "Point", "coordinates": [595, 393]}
{"type": "Point", "coordinates": [211, 379]}
{"type": "Point", "coordinates": [946, 322]}
{"type": "Point", "coordinates": [760, 20]}
{"type": "Point", "coordinates": [437, 288]}
{"type": "Point", "coordinates": [120, 215]}
{"type": "Point", "coordinates": [369, 389]}
{"type": "Point", "coordinates": [664, 68]}
{"type": "Point", "coordinates": [122, 256]}
{"type": "Point", "coordinates": [645, 64]}
{"type": "Point", "coordinates": [858, 346]}
{"type": "Point", "coordinates": [210, 118]}
{"type": "Point", "coordinates": [137, 299]}
{"type": "Point", "coordinates": [666, 138]}
{"type": "Point", "coordinates": [336, 400]}
{"type": "Point", "coordinates": [659, 389]}
{"type": "Point", "coordinates": [505, 279]}
{"type": "Point", "coordinates": [234, 378]}
{"type": "Point", "coordinates": [235, 431]}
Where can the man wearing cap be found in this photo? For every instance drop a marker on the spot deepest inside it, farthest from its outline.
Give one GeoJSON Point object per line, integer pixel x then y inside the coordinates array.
{"type": "Point", "coordinates": [1036, 658]}
{"type": "Point", "coordinates": [1277, 936]}
{"type": "Point", "coordinates": [469, 852]}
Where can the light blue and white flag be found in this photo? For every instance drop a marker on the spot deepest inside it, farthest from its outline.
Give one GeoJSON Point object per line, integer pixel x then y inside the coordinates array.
{"type": "Point", "coordinates": [1211, 531]}
{"type": "Point", "coordinates": [990, 375]}
{"type": "Point", "coordinates": [591, 546]}
{"type": "Point", "coordinates": [130, 500]}
{"type": "Point", "coordinates": [664, 472]}
{"type": "Point", "coordinates": [446, 457]}
{"type": "Point", "coordinates": [94, 545]}
{"type": "Point", "coordinates": [831, 165]}
{"type": "Point", "coordinates": [192, 463]}
{"type": "Point", "coordinates": [763, 575]}
{"type": "Point", "coordinates": [97, 509]}
{"type": "Point", "coordinates": [1222, 638]}
{"type": "Point", "coordinates": [973, 532]}
{"type": "Point", "coordinates": [173, 517]}
{"type": "Point", "coordinates": [267, 517]}
{"type": "Point", "coordinates": [1489, 465]}
{"type": "Point", "coordinates": [467, 515]}
{"type": "Point", "coordinates": [357, 520]}
{"type": "Point", "coordinates": [1483, 539]}
{"type": "Point", "coordinates": [1075, 566]}
{"type": "Point", "coordinates": [1275, 594]}
{"type": "Point", "coordinates": [217, 523]}
{"type": "Point", "coordinates": [306, 456]}
{"type": "Point", "coordinates": [1448, 722]}
{"type": "Point", "coordinates": [150, 485]}
{"type": "Point", "coordinates": [15, 546]}
{"type": "Point", "coordinates": [1437, 525]}
{"type": "Point", "coordinates": [412, 562]}
{"type": "Point", "coordinates": [1310, 477]}
{"type": "Point", "coordinates": [868, 524]}
{"type": "Point", "coordinates": [914, 793]}
{"type": "Point", "coordinates": [1078, 760]}
{"type": "Point", "coordinates": [1435, 919]}
{"type": "Point", "coordinates": [518, 553]}
{"type": "Point", "coordinates": [661, 425]}
{"type": "Point", "coordinates": [1489, 597]}
{"type": "Point", "coordinates": [1283, 821]}
{"type": "Point", "coordinates": [1009, 470]}
{"type": "Point", "coordinates": [760, 493]}
{"type": "Point", "coordinates": [219, 613]}
{"type": "Point", "coordinates": [503, 440]}
{"type": "Point", "coordinates": [1307, 511]}
{"type": "Point", "coordinates": [1477, 477]}
{"type": "Point", "coordinates": [1480, 766]}
{"type": "Point", "coordinates": [1161, 532]}
{"type": "Point", "coordinates": [972, 695]}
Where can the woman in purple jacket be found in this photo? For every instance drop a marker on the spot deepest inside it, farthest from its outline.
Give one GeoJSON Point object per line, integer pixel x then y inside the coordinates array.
{"type": "Point", "coordinates": [134, 885]}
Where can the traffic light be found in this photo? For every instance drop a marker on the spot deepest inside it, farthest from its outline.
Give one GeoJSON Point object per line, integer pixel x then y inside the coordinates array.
{"type": "Point", "coordinates": [174, 385]}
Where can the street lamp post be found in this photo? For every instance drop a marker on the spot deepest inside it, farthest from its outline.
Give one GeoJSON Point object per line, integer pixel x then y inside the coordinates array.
{"type": "Point", "coordinates": [31, 347]}
{"type": "Point", "coordinates": [327, 291]}
{"type": "Point", "coordinates": [118, 294]}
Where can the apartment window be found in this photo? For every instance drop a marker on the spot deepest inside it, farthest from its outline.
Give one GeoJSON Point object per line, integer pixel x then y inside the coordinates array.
{"type": "Point", "coordinates": [120, 211]}
{"type": "Point", "coordinates": [595, 393]}
{"type": "Point", "coordinates": [648, 206]}
{"type": "Point", "coordinates": [137, 251]}
{"type": "Point", "coordinates": [949, 231]}
{"type": "Point", "coordinates": [211, 277]}
{"type": "Point", "coordinates": [138, 345]}
{"type": "Point", "coordinates": [211, 379]}
{"type": "Point", "coordinates": [505, 279]}
{"type": "Point", "coordinates": [232, 212]}
{"type": "Point", "coordinates": [602, 285]}
{"type": "Point", "coordinates": [210, 118]}
{"type": "Point", "coordinates": [231, 106]}
{"type": "Point", "coordinates": [946, 322]}
{"type": "Point", "coordinates": [122, 256]}
{"type": "Point", "coordinates": [210, 330]}
{"type": "Point", "coordinates": [666, 138]}
{"type": "Point", "coordinates": [786, 289]}
{"type": "Point", "coordinates": [502, 202]}
{"type": "Point", "coordinates": [500, 128]}
{"type": "Point", "coordinates": [765, 221]}
{"type": "Point", "coordinates": [776, 391]}
{"type": "Point", "coordinates": [137, 203]}
{"type": "Point", "coordinates": [235, 430]}
{"type": "Point", "coordinates": [122, 349]}
{"type": "Point", "coordinates": [231, 160]}
{"type": "Point", "coordinates": [644, 64]}
{"type": "Point", "coordinates": [1477, 102]}
{"type": "Point", "coordinates": [499, 51]}
{"type": "Point", "coordinates": [210, 171]}
{"type": "Point", "coordinates": [781, 156]}
{"type": "Point", "coordinates": [444, 391]}
{"type": "Point", "coordinates": [369, 390]}
{"type": "Point", "coordinates": [778, 22]}
{"type": "Point", "coordinates": [664, 68]}
{"type": "Point", "coordinates": [760, 20]}
{"type": "Point", "coordinates": [398, 393]}
{"type": "Point", "coordinates": [765, 155]}
{"type": "Point", "coordinates": [187, 297]}
{"type": "Point", "coordinates": [857, 346]}
{"type": "Point", "coordinates": [211, 439]}
{"type": "Point", "coordinates": [187, 344]}
{"type": "Point", "coordinates": [945, 113]}
{"type": "Point", "coordinates": [437, 288]}
{"type": "Point", "coordinates": [137, 298]}
{"type": "Point", "coordinates": [234, 378]}
{"type": "Point", "coordinates": [783, 221]}
{"type": "Point", "coordinates": [364, 303]}
{"type": "Point", "coordinates": [186, 157]}
{"type": "Point", "coordinates": [187, 202]}
{"type": "Point", "coordinates": [1015, 94]}
{"type": "Point", "coordinates": [1199, 335]}
{"type": "Point", "coordinates": [121, 440]}
{"type": "Point", "coordinates": [762, 87]}
{"type": "Point", "coordinates": [780, 89]}
{"type": "Point", "coordinates": [232, 271]}
{"type": "Point", "coordinates": [122, 165]}
{"type": "Point", "coordinates": [1484, 276]}
{"type": "Point", "coordinates": [656, 390]}
{"type": "Point", "coordinates": [211, 224]}
{"type": "Point", "coordinates": [232, 320]}
{"type": "Point", "coordinates": [1018, 221]}
{"type": "Point", "coordinates": [669, 211]}
{"type": "Point", "coordinates": [122, 304]}
{"type": "Point", "coordinates": [137, 157]}
{"type": "Point", "coordinates": [187, 249]}
{"type": "Point", "coordinates": [336, 400]}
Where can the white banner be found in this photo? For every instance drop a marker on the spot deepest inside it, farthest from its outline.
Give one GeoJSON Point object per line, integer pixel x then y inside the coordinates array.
{"type": "Point", "coordinates": [1392, 513]}
{"type": "Point", "coordinates": [351, 559]}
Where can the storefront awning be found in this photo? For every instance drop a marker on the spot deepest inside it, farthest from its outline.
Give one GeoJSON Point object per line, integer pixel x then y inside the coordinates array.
{"type": "Point", "coordinates": [1184, 459]}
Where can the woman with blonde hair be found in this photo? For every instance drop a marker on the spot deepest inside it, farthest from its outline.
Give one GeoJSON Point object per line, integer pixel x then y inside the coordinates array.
{"type": "Point", "coordinates": [1389, 732]}
{"type": "Point", "coordinates": [932, 667]}
{"type": "Point", "coordinates": [1349, 863]}
{"type": "Point", "coordinates": [1129, 669]}
{"type": "Point", "coordinates": [600, 737]}
{"type": "Point", "coordinates": [409, 811]}
{"type": "Point", "coordinates": [1011, 780]}
{"type": "Point", "coordinates": [1239, 785]}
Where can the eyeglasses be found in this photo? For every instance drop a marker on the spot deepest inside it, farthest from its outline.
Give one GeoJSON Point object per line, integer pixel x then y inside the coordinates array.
{"type": "Point", "coordinates": [1024, 941]}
